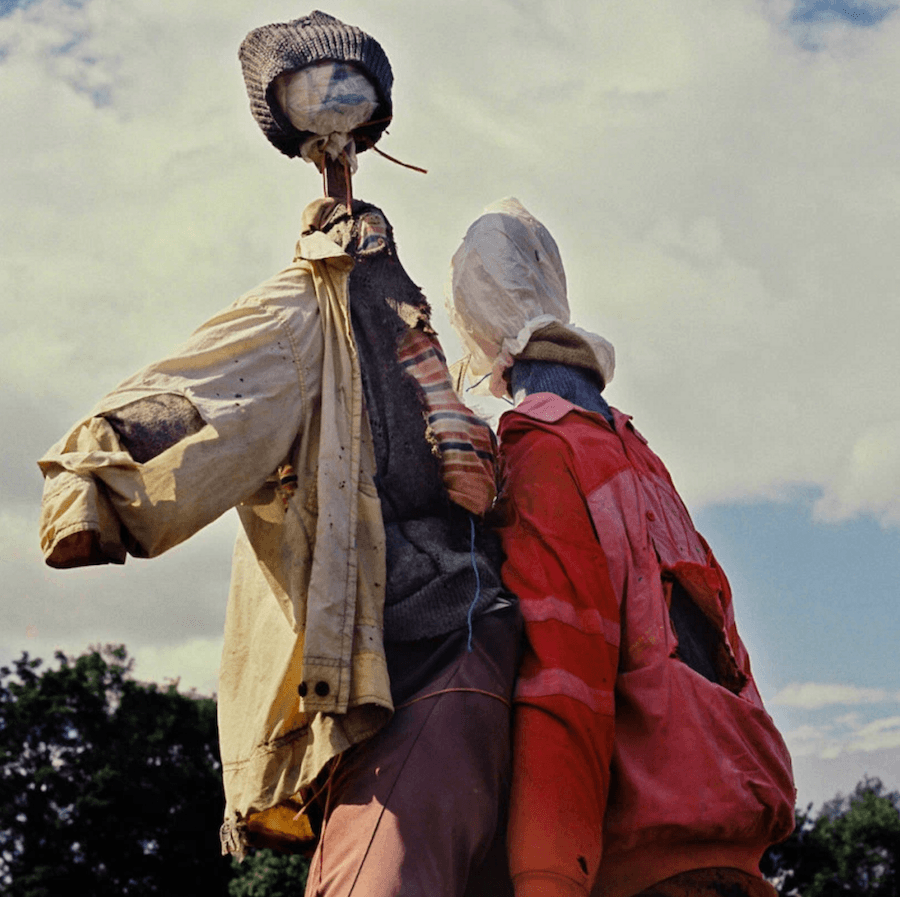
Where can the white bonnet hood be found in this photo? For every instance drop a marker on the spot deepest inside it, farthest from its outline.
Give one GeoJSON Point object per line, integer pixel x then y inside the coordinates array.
{"type": "Point", "coordinates": [507, 281]}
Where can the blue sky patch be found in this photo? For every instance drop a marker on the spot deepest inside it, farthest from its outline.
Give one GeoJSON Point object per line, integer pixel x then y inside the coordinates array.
{"type": "Point", "coordinates": [7, 6]}
{"type": "Point", "coordinates": [813, 12]}
{"type": "Point", "coordinates": [812, 593]}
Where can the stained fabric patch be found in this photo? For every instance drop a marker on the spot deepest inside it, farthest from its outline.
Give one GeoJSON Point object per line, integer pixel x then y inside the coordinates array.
{"type": "Point", "coordinates": [148, 427]}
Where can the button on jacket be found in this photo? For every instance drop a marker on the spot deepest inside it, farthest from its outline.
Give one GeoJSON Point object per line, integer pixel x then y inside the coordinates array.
{"type": "Point", "coordinates": [276, 380]}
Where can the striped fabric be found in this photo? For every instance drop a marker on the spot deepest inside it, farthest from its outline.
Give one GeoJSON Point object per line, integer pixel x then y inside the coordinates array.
{"type": "Point", "coordinates": [465, 442]}
{"type": "Point", "coordinates": [551, 683]}
{"type": "Point", "coordinates": [572, 646]}
{"type": "Point", "coordinates": [586, 620]}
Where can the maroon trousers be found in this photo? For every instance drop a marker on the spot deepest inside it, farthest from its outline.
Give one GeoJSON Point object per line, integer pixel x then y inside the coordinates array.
{"type": "Point", "coordinates": [420, 809]}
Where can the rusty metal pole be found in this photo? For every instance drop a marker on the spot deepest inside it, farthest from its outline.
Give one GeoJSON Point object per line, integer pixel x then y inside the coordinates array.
{"type": "Point", "coordinates": [337, 181]}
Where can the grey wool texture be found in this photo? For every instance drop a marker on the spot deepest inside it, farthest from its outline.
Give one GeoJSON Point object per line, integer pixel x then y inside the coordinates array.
{"type": "Point", "coordinates": [149, 426]}
{"type": "Point", "coordinates": [272, 50]}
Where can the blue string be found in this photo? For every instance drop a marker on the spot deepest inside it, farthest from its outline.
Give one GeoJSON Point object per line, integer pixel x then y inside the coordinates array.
{"type": "Point", "coordinates": [477, 581]}
{"type": "Point", "coordinates": [505, 398]}
{"type": "Point", "coordinates": [479, 382]}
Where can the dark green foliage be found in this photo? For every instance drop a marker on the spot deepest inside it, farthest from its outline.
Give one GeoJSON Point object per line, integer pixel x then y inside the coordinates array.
{"type": "Point", "coordinates": [113, 787]}
{"type": "Point", "coordinates": [851, 847]}
{"type": "Point", "coordinates": [107, 785]}
{"type": "Point", "coordinates": [269, 874]}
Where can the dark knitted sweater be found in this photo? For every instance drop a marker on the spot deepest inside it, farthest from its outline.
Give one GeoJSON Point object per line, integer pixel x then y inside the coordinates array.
{"type": "Point", "coordinates": [431, 578]}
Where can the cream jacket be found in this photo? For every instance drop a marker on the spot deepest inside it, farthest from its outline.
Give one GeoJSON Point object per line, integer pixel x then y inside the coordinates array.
{"type": "Point", "coordinates": [276, 380]}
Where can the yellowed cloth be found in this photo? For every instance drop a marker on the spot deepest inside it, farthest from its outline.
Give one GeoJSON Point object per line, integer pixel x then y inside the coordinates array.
{"type": "Point", "coordinates": [276, 380]}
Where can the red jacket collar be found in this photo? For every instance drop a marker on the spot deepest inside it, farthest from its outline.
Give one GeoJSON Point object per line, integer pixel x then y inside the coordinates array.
{"type": "Point", "coordinates": [550, 408]}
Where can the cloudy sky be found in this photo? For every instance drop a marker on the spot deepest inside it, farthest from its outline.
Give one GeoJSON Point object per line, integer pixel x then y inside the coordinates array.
{"type": "Point", "coordinates": [721, 177]}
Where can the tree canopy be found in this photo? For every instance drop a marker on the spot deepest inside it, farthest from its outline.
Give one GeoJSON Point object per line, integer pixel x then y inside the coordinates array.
{"type": "Point", "coordinates": [110, 786]}
{"type": "Point", "coordinates": [851, 846]}
{"type": "Point", "coordinates": [107, 785]}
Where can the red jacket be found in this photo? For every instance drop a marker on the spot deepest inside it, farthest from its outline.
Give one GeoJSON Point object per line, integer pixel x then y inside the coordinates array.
{"type": "Point", "coordinates": [630, 766]}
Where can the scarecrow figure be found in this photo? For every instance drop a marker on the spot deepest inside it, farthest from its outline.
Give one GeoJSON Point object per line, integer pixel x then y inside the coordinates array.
{"type": "Point", "coordinates": [644, 762]}
{"type": "Point", "coordinates": [370, 646]}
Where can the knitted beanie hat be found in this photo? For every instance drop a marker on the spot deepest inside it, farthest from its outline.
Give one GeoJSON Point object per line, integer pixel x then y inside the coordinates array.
{"type": "Point", "coordinates": [272, 50]}
{"type": "Point", "coordinates": [570, 345]}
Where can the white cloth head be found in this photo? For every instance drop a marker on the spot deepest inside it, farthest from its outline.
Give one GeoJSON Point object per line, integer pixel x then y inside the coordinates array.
{"type": "Point", "coordinates": [330, 99]}
{"type": "Point", "coordinates": [506, 282]}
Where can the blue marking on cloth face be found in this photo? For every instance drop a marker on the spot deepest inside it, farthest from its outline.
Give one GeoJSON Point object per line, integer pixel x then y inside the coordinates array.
{"type": "Point", "coordinates": [337, 95]}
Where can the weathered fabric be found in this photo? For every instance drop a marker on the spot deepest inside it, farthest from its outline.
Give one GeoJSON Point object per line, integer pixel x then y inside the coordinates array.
{"type": "Point", "coordinates": [392, 323]}
{"type": "Point", "coordinates": [715, 882]}
{"type": "Point", "coordinates": [630, 766]}
{"type": "Point", "coordinates": [331, 100]}
{"type": "Point", "coordinates": [507, 284]}
{"type": "Point", "coordinates": [464, 441]}
{"type": "Point", "coordinates": [427, 464]}
{"type": "Point", "coordinates": [444, 567]}
{"type": "Point", "coordinates": [408, 469]}
{"type": "Point", "coordinates": [147, 427]}
{"type": "Point", "coordinates": [273, 50]}
{"type": "Point", "coordinates": [442, 570]}
{"type": "Point", "coordinates": [263, 409]}
{"type": "Point", "coordinates": [275, 378]}
{"type": "Point", "coordinates": [418, 809]}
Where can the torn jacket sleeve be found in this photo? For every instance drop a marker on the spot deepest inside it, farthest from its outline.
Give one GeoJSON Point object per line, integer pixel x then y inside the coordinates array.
{"type": "Point", "coordinates": [182, 441]}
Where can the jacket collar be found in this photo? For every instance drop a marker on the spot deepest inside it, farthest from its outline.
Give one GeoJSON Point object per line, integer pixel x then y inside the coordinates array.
{"type": "Point", "coordinates": [316, 246]}
{"type": "Point", "coordinates": [550, 408]}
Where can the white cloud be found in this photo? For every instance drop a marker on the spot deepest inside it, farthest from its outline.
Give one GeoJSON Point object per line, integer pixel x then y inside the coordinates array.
{"type": "Point", "coordinates": [822, 778]}
{"type": "Point", "coordinates": [177, 598]}
{"type": "Point", "coordinates": [877, 735]}
{"type": "Point", "coordinates": [829, 741]}
{"type": "Point", "coordinates": [815, 695]}
{"type": "Point", "coordinates": [193, 664]}
{"type": "Point", "coordinates": [725, 203]}
{"type": "Point", "coordinates": [826, 736]}
{"type": "Point", "coordinates": [805, 741]}
{"type": "Point", "coordinates": [863, 482]}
